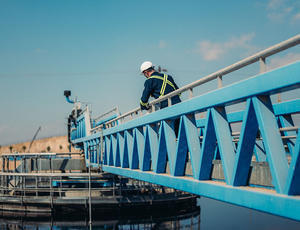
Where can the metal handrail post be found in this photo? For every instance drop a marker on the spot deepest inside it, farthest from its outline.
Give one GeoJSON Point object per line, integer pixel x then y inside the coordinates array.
{"type": "Point", "coordinates": [90, 192]}
{"type": "Point", "coordinates": [15, 170]}
{"type": "Point", "coordinates": [102, 148]}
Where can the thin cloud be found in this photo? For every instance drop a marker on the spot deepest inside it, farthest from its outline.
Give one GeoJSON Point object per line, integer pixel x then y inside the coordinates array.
{"type": "Point", "coordinates": [283, 10]}
{"type": "Point", "coordinates": [283, 60]}
{"type": "Point", "coordinates": [211, 51]}
{"type": "Point", "coordinates": [296, 17]}
{"type": "Point", "coordinates": [274, 4]}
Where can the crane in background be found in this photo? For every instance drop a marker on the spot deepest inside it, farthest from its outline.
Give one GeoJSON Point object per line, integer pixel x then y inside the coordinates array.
{"type": "Point", "coordinates": [34, 137]}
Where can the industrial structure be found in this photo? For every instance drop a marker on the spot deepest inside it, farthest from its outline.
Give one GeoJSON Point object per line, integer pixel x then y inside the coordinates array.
{"type": "Point", "coordinates": [238, 143]}
{"type": "Point", "coordinates": [52, 184]}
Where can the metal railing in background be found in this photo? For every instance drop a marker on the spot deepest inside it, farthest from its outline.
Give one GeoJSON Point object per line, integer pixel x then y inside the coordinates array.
{"type": "Point", "coordinates": [100, 121]}
{"type": "Point", "coordinates": [115, 109]}
{"type": "Point", "coordinates": [53, 185]}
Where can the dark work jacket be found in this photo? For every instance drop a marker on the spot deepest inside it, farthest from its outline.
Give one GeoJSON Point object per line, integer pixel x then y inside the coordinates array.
{"type": "Point", "coordinates": [157, 85]}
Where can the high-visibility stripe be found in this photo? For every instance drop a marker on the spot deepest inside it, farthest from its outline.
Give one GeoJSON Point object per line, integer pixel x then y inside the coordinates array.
{"type": "Point", "coordinates": [163, 86]}
{"type": "Point", "coordinates": [142, 103]}
{"type": "Point", "coordinates": [170, 83]}
{"type": "Point", "coordinates": [157, 77]}
{"type": "Point", "coordinates": [164, 83]}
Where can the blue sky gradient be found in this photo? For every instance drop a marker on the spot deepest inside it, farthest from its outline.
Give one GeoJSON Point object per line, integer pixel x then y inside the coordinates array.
{"type": "Point", "coordinates": [95, 48]}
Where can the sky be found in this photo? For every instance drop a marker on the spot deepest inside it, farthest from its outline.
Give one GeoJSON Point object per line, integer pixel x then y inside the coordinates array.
{"type": "Point", "coordinates": [95, 48]}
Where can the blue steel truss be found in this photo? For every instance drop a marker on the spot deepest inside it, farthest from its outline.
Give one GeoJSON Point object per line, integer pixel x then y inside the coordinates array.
{"type": "Point", "coordinates": [147, 148]}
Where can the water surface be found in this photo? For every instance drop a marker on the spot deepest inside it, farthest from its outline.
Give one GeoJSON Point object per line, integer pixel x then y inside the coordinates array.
{"type": "Point", "coordinates": [210, 215]}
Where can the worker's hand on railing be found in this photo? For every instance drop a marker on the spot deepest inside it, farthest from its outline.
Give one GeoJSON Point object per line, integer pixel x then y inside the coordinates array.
{"type": "Point", "coordinates": [148, 106]}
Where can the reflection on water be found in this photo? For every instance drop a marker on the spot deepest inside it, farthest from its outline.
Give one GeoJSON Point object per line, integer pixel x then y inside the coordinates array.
{"type": "Point", "coordinates": [179, 220]}
{"type": "Point", "coordinates": [214, 215]}
{"type": "Point", "coordinates": [220, 215]}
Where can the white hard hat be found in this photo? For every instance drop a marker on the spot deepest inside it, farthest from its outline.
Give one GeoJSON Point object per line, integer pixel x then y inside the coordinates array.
{"type": "Point", "coordinates": [146, 65]}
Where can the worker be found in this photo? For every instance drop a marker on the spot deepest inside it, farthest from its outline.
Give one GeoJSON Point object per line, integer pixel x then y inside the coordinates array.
{"type": "Point", "coordinates": [157, 85]}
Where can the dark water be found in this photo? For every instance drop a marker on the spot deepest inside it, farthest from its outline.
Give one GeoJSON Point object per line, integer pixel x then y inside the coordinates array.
{"type": "Point", "coordinates": [210, 215]}
{"type": "Point", "coordinates": [219, 215]}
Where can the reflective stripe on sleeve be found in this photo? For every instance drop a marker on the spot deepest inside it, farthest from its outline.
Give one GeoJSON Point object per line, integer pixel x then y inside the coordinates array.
{"type": "Point", "coordinates": [142, 103]}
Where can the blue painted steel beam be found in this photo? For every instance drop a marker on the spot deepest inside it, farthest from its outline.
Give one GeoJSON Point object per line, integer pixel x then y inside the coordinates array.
{"type": "Point", "coordinates": [282, 108]}
{"type": "Point", "coordinates": [255, 198]}
{"type": "Point", "coordinates": [293, 185]}
{"type": "Point", "coordinates": [208, 148]}
{"type": "Point", "coordinates": [224, 141]}
{"type": "Point", "coordinates": [272, 141]}
{"type": "Point", "coordinates": [245, 146]}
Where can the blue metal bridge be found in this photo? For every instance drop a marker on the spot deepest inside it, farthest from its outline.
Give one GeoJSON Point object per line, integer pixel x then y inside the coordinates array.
{"type": "Point", "coordinates": [230, 140]}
